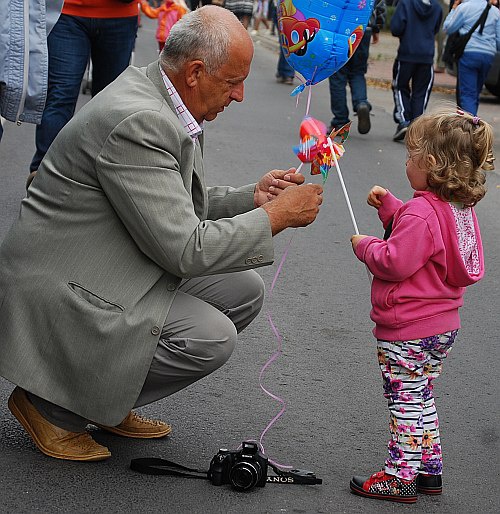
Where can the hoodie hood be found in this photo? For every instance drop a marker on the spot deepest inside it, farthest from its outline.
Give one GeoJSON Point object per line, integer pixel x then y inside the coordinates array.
{"type": "Point", "coordinates": [422, 7]}
{"type": "Point", "coordinates": [457, 274]}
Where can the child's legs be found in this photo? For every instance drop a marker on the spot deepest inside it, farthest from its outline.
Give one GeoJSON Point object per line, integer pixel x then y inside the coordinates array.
{"type": "Point", "coordinates": [408, 369]}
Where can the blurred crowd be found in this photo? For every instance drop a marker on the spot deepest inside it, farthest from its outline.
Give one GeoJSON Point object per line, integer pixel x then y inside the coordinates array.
{"type": "Point", "coordinates": [95, 39]}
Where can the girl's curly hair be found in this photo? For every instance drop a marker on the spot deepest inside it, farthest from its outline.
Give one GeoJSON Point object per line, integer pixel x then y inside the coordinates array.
{"type": "Point", "coordinates": [454, 147]}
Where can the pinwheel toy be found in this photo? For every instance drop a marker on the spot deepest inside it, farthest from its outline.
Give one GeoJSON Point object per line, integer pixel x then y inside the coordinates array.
{"type": "Point", "coordinates": [315, 145]}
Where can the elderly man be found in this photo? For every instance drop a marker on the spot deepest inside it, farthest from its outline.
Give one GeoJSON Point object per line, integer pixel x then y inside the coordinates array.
{"type": "Point", "coordinates": [125, 278]}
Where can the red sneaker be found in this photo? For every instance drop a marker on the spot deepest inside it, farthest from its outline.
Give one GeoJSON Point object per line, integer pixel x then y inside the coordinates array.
{"type": "Point", "coordinates": [381, 486]}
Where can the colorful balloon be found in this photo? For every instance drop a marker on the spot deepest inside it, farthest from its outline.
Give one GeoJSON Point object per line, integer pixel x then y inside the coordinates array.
{"type": "Point", "coordinates": [319, 36]}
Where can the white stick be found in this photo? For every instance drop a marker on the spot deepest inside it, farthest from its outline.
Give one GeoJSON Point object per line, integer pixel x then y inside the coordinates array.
{"type": "Point", "coordinates": [344, 189]}
{"type": "Point", "coordinates": [356, 231]}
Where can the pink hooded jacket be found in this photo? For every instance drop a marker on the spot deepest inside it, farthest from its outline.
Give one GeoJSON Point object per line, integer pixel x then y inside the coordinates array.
{"type": "Point", "coordinates": [419, 276]}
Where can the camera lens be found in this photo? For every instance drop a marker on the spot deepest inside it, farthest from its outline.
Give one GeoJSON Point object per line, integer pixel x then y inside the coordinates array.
{"type": "Point", "coordinates": [245, 475]}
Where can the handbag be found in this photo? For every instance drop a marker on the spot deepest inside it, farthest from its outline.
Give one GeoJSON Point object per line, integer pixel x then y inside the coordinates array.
{"type": "Point", "coordinates": [456, 42]}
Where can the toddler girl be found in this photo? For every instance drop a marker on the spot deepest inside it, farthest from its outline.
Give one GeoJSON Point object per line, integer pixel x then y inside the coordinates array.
{"type": "Point", "coordinates": [419, 277]}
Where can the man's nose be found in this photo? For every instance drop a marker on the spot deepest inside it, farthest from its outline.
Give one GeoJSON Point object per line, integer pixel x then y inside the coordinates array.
{"type": "Point", "coordinates": [238, 93]}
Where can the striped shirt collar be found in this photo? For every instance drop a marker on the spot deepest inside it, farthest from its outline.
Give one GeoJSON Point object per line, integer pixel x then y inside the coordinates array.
{"type": "Point", "coordinates": [190, 125]}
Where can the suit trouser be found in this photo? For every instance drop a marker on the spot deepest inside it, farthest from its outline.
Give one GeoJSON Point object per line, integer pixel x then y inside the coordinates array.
{"type": "Point", "coordinates": [198, 336]}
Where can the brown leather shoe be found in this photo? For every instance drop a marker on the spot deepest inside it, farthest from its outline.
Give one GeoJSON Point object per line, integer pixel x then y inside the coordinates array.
{"type": "Point", "coordinates": [50, 439]}
{"type": "Point", "coordinates": [138, 427]}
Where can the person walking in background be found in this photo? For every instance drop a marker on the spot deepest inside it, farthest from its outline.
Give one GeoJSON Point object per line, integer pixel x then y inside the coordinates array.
{"type": "Point", "coordinates": [417, 290]}
{"type": "Point", "coordinates": [103, 31]}
{"type": "Point", "coordinates": [242, 9]}
{"type": "Point", "coordinates": [415, 23]}
{"type": "Point", "coordinates": [353, 73]}
{"type": "Point", "coordinates": [440, 66]}
{"type": "Point", "coordinates": [479, 52]}
{"type": "Point", "coordinates": [168, 13]}
{"type": "Point", "coordinates": [24, 65]}
{"type": "Point", "coordinates": [284, 73]}
{"type": "Point", "coordinates": [260, 15]}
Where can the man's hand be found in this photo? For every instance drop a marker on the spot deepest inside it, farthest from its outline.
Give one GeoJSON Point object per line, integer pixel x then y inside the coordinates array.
{"type": "Point", "coordinates": [374, 196]}
{"type": "Point", "coordinates": [294, 207]}
{"type": "Point", "coordinates": [356, 239]}
{"type": "Point", "coordinates": [274, 183]}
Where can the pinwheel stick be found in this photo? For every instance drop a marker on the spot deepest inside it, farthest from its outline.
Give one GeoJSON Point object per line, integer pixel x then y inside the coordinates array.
{"type": "Point", "coordinates": [344, 189]}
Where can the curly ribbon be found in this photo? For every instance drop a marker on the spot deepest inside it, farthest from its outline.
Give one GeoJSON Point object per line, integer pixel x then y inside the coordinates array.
{"type": "Point", "coordinates": [274, 357]}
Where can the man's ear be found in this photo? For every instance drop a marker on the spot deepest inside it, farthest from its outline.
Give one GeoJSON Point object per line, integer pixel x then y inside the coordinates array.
{"type": "Point", "coordinates": [193, 71]}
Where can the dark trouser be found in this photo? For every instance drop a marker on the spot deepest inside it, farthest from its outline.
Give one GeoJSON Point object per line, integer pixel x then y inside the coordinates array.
{"type": "Point", "coordinates": [108, 42]}
{"type": "Point", "coordinates": [411, 88]}
{"type": "Point", "coordinates": [352, 73]}
{"type": "Point", "coordinates": [198, 337]}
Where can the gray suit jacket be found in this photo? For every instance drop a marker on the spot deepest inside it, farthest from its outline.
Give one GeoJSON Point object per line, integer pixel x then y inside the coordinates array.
{"type": "Point", "coordinates": [118, 214]}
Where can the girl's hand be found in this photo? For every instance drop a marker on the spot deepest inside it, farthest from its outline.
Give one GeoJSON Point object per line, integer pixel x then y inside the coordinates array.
{"type": "Point", "coordinates": [356, 239]}
{"type": "Point", "coordinates": [374, 196]}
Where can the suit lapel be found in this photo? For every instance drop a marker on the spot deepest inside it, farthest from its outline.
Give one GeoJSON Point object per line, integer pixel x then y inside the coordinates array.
{"type": "Point", "coordinates": [198, 187]}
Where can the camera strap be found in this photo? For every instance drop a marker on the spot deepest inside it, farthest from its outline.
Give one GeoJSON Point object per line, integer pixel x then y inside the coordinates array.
{"type": "Point", "coordinates": [294, 476]}
{"type": "Point", "coordinates": [156, 466]}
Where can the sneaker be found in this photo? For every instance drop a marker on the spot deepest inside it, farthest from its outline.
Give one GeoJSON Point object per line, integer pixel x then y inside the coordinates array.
{"type": "Point", "coordinates": [381, 486]}
{"type": "Point", "coordinates": [429, 484]}
{"type": "Point", "coordinates": [363, 112]}
{"type": "Point", "coordinates": [400, 132]}
{"type": "Point", "coordinates": [288, 80]}
{"type": "Point", "coordinates": [336, 126]}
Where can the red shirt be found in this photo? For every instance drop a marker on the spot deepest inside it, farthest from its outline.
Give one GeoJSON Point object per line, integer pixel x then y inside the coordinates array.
{"type": "Point", "coordinates": [99, 8]}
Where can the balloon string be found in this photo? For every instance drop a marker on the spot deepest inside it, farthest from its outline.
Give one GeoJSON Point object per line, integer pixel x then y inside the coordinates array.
{"type": "Point", "coordinates": [275, 356]}
{"type": "Point", "coordinates": [308, 100]}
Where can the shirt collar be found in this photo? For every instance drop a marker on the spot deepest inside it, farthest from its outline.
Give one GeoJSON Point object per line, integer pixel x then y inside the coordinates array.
{"type": "Point", "coordinates": [190, 125]}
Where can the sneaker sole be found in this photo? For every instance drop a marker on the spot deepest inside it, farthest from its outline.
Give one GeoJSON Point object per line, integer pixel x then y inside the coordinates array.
{"type": "Point", "coordinates": [364, 124]}
{"type": "Point", "coordinates": [19, 416]}
{"type": "Point", "coordinates": [134, 435]}
{"type": "Point", "coordinates": [430, 491]}
{"type": "Point", "coordinates": [399, 499]}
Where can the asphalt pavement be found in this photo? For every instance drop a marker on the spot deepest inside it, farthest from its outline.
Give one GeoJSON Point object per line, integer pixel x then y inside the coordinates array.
{"type": "Point", "coordinates": [336, 419]}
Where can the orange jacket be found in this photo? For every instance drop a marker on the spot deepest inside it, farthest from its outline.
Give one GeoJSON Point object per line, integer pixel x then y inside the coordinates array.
{"type": "Point", "coordinates": [168, 14]}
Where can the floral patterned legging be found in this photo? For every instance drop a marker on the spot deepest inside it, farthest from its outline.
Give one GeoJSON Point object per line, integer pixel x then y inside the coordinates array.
{"type": "Point", "coordinates": [408, 370]}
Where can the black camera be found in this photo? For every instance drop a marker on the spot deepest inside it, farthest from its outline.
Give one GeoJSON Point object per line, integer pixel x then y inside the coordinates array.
{"type": "Point", "coordinates": [243, 469]}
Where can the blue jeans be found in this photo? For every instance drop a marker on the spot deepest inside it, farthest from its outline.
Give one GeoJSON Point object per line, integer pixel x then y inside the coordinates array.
{"type": "Point", "coordinates": [352, 73]}
{"type": "Point", "coordinates": [473, 68]}
{"type": "Point", "coordinates": [71, 43]}
{"type": "Point", "coordinates": [284, 69]}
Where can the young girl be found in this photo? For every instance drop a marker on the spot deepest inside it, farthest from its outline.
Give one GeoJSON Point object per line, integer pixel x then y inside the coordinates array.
{"type": "Point", "coordinates": [419, 277]}
{"type": "Point", "coordinates": [169, 13]}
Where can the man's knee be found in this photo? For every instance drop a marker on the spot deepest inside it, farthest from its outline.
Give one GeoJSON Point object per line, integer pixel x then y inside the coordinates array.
{"type": "Point", "coordinates": [223, 337]}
